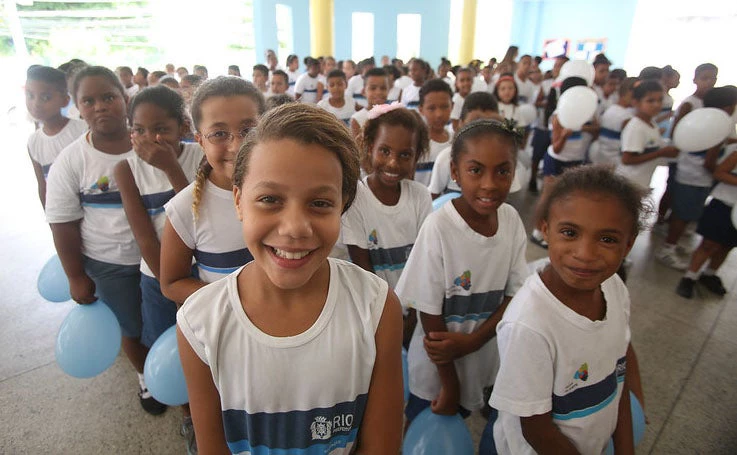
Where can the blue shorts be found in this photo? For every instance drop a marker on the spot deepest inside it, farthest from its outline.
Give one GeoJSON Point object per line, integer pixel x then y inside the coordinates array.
{"type": "Point", "coordinates": [119, 287]}
{"type": "Point", "coordinates": [158, 312]}
{"type": "Point", "coordinates": [672, 170]}
{"type": "Point", "coordinates": [553, 167]}
{"type": "Point", "coordinates": [540, 143]}
{"type": "Point", "coordinates": [687, 201]}
{"type": "Point", "coordinates": [415, 405]}
{"type": "Point", "coordinates": [716, 224]}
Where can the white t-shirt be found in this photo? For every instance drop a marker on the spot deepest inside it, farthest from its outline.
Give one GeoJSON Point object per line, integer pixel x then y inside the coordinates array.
{"type": "Point", "coordinates": [441, 180]}
{"type": "Point", "coordinates": [292, 76]}
{"type": "Point", "coordinates": [341, 113]}
{"type": "Point", "coordinates": [526, 90]}
{"type": "Point", "coordinates": [724, 191]}
{"type": "Point", "coordinates": [216, 236]}
{"type": "Point", "coordinates": [307, 87]}
{"type": "Point", "coordinates": [393, 94]}
{"type": "Point", "coordinates": [609, 142]}
{"type": "Point", "coordinates": [306, 392]}
{"type": "Point", "coordinates": [403, 81]}
{"type": "Point", "coordinates": [386, 231]}
{"type": "Point", "coordinates": [423, 171]}
{"type": "Point", "coordinates": [132, 91]}
{"type": "Point", "coordinates": [458, 101]}
{"type": "Point", "coordinates": [451, 81]}
{"type": "Point", "coordinates": [156, 190]}
{"type": "Point", "coordinates": [81, 185]}
{"type": "Point", "coordinates": [640, 137]}
{"type": "Point", "coordinates": [361, 117]}
{"type": "Point", "coordinates": [480, 85]}
{"type": "Point", "coordinates": [554, 359]}
{"type": "Point", "coordinates": [411, 96]}
{"type": "Point", "coordinates": [462, 275]}
{"type": "Point", "coordinates": [44, 148]}
{"type": "Point", "coordinates": [691, 170]}
{"type": "Point", "coordinates": [575, 147]}
{"type": "Point", "coordinates": [540, 122]}
{"type": "Point", "coordinates": [355, 88]}
{"type": "Point", "coordinates": [512, 112]}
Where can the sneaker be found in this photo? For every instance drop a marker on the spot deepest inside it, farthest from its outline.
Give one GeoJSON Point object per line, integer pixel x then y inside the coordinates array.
{"type": "Point", "coordinates": [539, 241]}
{"type": "Point", "coordinates": [149, 403]}
{"type": "Point", "coordinates": [187, 432]}
{"type": "Point", "coordinates": [685, 287]}
{"type": "Point", "coordinates": [713, 283]}
{"type": "Point", "coordinates": [669, 258]}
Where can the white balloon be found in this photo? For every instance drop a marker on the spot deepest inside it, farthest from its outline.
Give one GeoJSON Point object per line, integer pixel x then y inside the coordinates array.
{"type": "Point", "coordinates": [702, 129]}
{"type": "Point", "coordinates": [576, 107]}
{"type": "Point", "coordinates": [527, 114]}
{"type": "Point", "coordinates": [577, 68]}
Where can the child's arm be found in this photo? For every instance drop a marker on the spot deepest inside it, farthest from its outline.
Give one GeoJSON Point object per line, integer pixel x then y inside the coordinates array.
{"type": "Point", "coordinates": [592, 128]}
{"type": "Point", "coordinates": [381, 429]}
{"type": "Point", "coordinates": [450, 391]}
{"type": "Point", "coordinates": [355, 129]}
{"type": "Point", "coordinates": [140, 223]}
{"type": "Point", "coordinates": [683, 109]}
{"type": "Point", "coordinates": [544, 436]}
{"type": "Point", "coordinates": [559, 135]}
{"type": "Point", "coordinates": [175, 265]}
{"type": "Point", "coordinates": [668, 151]}
{"type": "Point", "coordinates": [204, 400]}
{"type": "Point", "coordinates": [624, 442]}
{"type": "Point", "coordinates": [68, 243]}
{"type": "Point", "coordinates": [723, 172]}
{"type": "Point", "coordinates": [712, 156]}
{"type": "Point", "coordinates": [320, 90]}
{"type": "Point", "coordinates": [40, 182]}
{"type": "Point", "coordinates": [634, 382]}
{"type": "Point", "coordinates": [360, 257]}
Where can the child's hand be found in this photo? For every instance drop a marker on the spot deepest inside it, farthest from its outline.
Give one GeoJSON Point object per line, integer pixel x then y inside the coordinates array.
{"type": "Point", "coordinates": [567, 132]}
{"type": "Point", "coordinates": [447, 401]}
{"type": "Point", "coordinates": [669, 151]}
{"type": "Point", "coordinates": [445, 347]}
{"type": "Point", "coordinates": [159, 154]}
{"type": "Point", "coordinates": [82, 289]}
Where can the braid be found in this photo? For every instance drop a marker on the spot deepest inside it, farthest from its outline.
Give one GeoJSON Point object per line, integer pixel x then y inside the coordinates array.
{"type": "Point", "coordinates": [202, 173]}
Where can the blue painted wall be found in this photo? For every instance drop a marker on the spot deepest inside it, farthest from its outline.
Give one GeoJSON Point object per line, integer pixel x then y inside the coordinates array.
{"type": "Point", "coordinates": [264, 20]}
{"type": "Point", "coordinates": [536, 20]}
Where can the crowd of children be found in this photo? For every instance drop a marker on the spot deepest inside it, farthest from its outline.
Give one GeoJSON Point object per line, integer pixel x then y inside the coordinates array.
{"type": "Point", "coordinates": [222, 206]}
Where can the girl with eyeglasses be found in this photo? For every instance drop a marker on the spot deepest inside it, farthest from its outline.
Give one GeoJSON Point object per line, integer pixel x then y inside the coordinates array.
{"type": "Point", "coordinates": [201, 220]}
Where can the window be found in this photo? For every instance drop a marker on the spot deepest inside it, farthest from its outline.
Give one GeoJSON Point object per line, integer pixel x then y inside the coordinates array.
{"type": "Point", "coordinates": [409, 33]}
{"type": "Point", "coordinates": [362, 36]}
{"type": "Point", "coordinates": [284, 31]}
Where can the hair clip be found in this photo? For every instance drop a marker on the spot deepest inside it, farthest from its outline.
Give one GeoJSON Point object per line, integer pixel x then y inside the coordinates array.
{"type": "Point", "coordinates": [507, 126]}
{"type": "Point", "coordinates": [381, 109]}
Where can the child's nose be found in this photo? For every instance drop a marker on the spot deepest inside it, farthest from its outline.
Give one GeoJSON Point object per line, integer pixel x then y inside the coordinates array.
{"type": "Point", "coordinates": [295, 223]}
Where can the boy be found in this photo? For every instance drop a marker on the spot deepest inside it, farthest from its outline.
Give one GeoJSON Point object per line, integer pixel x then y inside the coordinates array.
{"type": "Point", "coordinates": [375, 89]}
{"type": "Point", "coordinates": [410, 95]}
{"type": "Point", "coordinates": [357, 82]}
{"type": "Point", "coordinates": [260, 76]}
{"type": "Point", "coordinates": [337, 104]}
{"type": "Point", "coordinates": [141, 77]}
{"type": "Point", "coordinates": [279, 83]}
{"type": "Point", "coordinates": [601, 74]}
{"type": "Point", "coordinates": [46, 95]}
{"type": "Point", "coordinates": [308, 89]}
{"type": "Point", "coordinates": [479, 105]}
{"type": "Point", "coordinates": [125, 74]}
{"type": "Point", "coordinates": [435, 104]}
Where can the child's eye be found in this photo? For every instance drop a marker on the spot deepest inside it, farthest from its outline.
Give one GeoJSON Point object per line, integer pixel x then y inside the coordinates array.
{"type": "Point", "coordinates": [568, 233]}
{"type": "Point", "coordinates": [45, 98]}
{"type": "Point", "coordinates": [385, 150]}
{"type": "Point", "coordinates": [405, 155]}
{"type": "Point", "coordinates": [609, 239]}
{"type": "Point", "coordinates": [219, 134]}
{"type": "Point", "coordinates": [322, 204]}
{"type": "Point", "coordinates": [505, 172]}
{"type": "Point", "coordinates": [88, 102]}
{"type": "Point", "coordinates": [267, 199]}
{"type": "Point", "coordinates": [139, 130]}
{"type": "Point", "coordinates": [475, 170]}
{"type": "Point", "coordinates": [162, 130]}
{"type": "Point", "coordinates": [108, 98]}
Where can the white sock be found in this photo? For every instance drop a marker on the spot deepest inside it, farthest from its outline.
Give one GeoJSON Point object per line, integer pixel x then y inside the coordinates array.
{"type": "Point", "coordinates": [691, 275]}
{"type": "Point", "coordinates": [141, 381]}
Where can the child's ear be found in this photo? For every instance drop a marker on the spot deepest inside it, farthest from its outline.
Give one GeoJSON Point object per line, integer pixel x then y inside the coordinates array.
{"type": "Point", "coordinates": [200, 140]}
{"type": "Point", "coordinates": [544, 229]}
{"type": "Point", "coordinates": [630, 244]}
{"type": "Point", "coordinates": [237, 201]}
{"type": "Point", "coordinates": [453, 171]}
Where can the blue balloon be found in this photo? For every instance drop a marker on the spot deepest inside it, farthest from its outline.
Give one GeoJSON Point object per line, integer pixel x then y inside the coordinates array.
{"type": "Point", "coordinates": [434, 434]}
{"type": "Point", "coordinates": [88, 340]}
{"type": "Point", "coordinates": [437, 203]}
{"type": "Point", "coordinates": [163, 371]}
{"type": "Point", "coordinates": [405, 374]}
{"type": "Point", "coordinates": [52, 281]}
{"type": "Point", "coordinates": [638, 424]}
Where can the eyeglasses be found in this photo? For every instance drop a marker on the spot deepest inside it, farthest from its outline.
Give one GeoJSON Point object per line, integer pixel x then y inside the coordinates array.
{"type": "Point", "coordinates": [222, 137]}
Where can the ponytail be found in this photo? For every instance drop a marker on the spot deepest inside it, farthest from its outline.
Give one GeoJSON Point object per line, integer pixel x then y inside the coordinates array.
{"type": "Point", "coordinates": [202, 174]}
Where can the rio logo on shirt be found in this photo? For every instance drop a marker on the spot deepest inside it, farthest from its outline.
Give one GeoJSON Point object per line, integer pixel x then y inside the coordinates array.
{"type": "Point", "coordinates": [323, 429]}
{"type": "Point", "coordinates": [582, 373]}
{"type": "Point", "coordinates": [102, 184]}
{"type": "Point", "coordinates": [464, 280]}
{"type": "Point", "coordinates": [373, 238]}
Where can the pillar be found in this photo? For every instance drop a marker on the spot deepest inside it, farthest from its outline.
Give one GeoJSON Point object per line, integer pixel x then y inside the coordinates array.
{"type": "Point", "coordinates": [468, 32]}
{"type": "Point", "coordinates": [321, 27]}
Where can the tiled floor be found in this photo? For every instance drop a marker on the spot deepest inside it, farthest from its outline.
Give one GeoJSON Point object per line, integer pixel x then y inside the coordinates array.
{"type": "Point", "coordinates": [687, 351]}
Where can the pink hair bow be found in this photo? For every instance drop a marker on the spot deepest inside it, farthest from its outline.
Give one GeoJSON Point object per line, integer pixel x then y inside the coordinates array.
{"type": "Point", "coordinates": [381, 109]}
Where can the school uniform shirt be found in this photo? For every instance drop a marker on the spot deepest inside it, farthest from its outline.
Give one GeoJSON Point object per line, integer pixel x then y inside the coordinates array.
{"type": "Point", "coordinates": [81, 185]}
{"type": "Point", "coordinates": [403, 81]}
{"type": "Point", "coordinates": [451, 81]}
{"type": "Point", "coordinates": [511, 112]}
{"type": "Point", "coordinates": [724, 191]}
{"type": "Point", "coordinates": [292, 76]}
{"type": "Point", "coordinates": [44, 149]}
{"type": "Point", "coordinates": [641, 137]}
{"type": "Point", "coordinates": [155, 189]}
{"type": "Point", "coordinates": [355, 88]}
{"type": "Point", "coordinates": [480, 85]}
{"type": "Point", "coordinates": [388, 232]}
{"type": "Point", "coordinates": [411, 96]}
{"type": "Point", "coordinates": [574, 148]}
{"type": "Point", "coordinates": [393, 94]}
{"type": "Point", "coordinates": [526, 90]}
{"type": "Point", "coordinates": [423, 171]}
{"type": "Point", "coordinates": [307, 87]}
{"type": "Point", "coordinates": [458, 100]}
{"type": "Point", "coordinates": [463, 276]}
{"type": "Point", "coordinates": [132, 91]}
{"type": "Point", "coordinates": [305, 393]}
{"type": "Point", "coordinates": [344, 113]}
{"type": "Point", "coordinates": [555, 360]}
{"type": "Point", "coordinates": [608, 148]}
{"type": "Point", "coordinates": [691, 170]}
{"type": "Point", "coordinates": [361, 117]}
{"type": "Point", "coordinates": [215, 236]}
{"type": "Point", "coordinates": [546, 86]}
{"type": "Point", "coordinates": [440, 179]}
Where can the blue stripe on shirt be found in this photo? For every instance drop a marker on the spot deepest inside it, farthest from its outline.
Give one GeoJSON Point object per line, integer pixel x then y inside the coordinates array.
{"type": "Point", "coordinates": [611, 134]}
{"type": "Point", "coordinates": [227, 262]}
{"type": "Point", "coordinates": [109, 200]}
{"type": "Point", "coordinates": [474, 307]}
{"type": "Point", "coordinates": [389, 258]}
{"type": "Point", "coordinates": [154, 203]}
{"type": "Point", "coordinates": [588, 400]}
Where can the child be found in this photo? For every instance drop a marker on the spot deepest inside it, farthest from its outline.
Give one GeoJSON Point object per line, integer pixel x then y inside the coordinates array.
{"type": "Point", "coordinates": [308, 89]}
{"type": "Point", "coordinates": [293, 311]}
{"type": "Point", "coordinates": [642, 145]}
{"type": "Point", "coordinates": [349, 68]}
{"type": "Point", "coordinates": [375, 90]}
{"type": "Point", "coordinates": [564, 341]}
{"type": "Point", "coordinates": [161, 167]}
{"type": "Point", "coordinates": [234, 70]}
{"type": "Point", "coordinates": [83, 207]}
{"type": "Point", "coordinates": [505, 91]}
{"type": "Point", "coordinates": [141, 77]}
{"type": "Point", "coordinates": [607, 147]}
{"type": "Point", "coordinates": [527, 90]}
{"type": "Point", "coordinates": [445, 74]}
{"type": "Point", "coordinates": [46, 96]}
{"type": "Point", "coordinates": [436, 102]}
{"type": "Point", "coordinates": [338, 104]}
{"type": "Point", "coordinates": [125, 74]}
{"type": "Point", "coordinates": [326, 66]}
{"type": "Point", "coordinates": [478, 105]}
{"type": "Point", "coordinates": [393, 75]}
{"type": "Point", "coordinates": [292, 72]}
{"type": "Point", "coordinates": [382, 224]}
{"type": "Point", "coordinates": [693, 182]}
{"type": "Point", "coordinates": [410, 95]}
{"type": "Point", "coordinates": [200, 221]}
{"type": "Point", "coordinates": [468, 260]}
{"type": "Point", "coordinates": [464, 82]}
{"type": "Point", "coordinates": [718, 232]}
{"type": "Point", "coordinates": [279, 83]}
{"type": "Point", "coordinates": [260, 77]}
{"type": "Point", "coordinates": [671, 79]}
{"type": "Point", "coordinates": [601, 74]}
{"type": "Point", "coordinates": [609, 93]}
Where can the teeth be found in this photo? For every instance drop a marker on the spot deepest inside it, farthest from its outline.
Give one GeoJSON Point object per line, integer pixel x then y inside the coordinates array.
{"type": "Point", "coordinates": [289, 254]}
{"type": "Point", "coordinates": [485, 199]}
{"type": "Point", "coordinates": [391, 175]}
